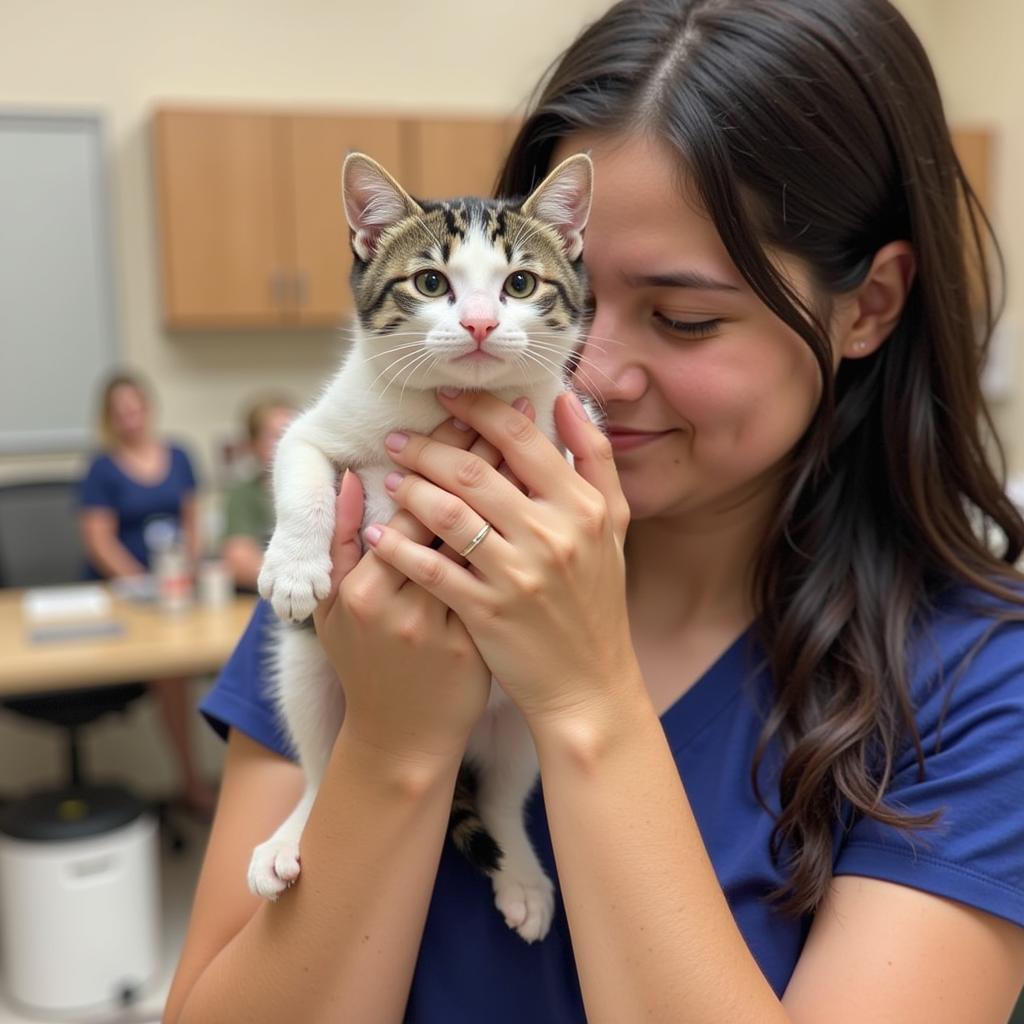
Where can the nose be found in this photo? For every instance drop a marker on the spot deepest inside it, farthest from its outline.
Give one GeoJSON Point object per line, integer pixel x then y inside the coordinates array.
{"type": "Point", "coordinates": [479, 327]}
{"type": "Point", "coordinates": [612, 368]}
{"type": "Point", "coordinates": [478, 317]}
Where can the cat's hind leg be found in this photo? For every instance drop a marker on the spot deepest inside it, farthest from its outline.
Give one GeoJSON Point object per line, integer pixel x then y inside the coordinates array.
{"type": "Point", "coordinates": [312, 707]}
{"type": "Point", "coordinates": [502, 752]}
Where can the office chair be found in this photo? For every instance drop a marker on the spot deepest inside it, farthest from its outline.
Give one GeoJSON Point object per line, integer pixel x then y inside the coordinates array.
{"type": "Point", "coordinates": [40, 544]}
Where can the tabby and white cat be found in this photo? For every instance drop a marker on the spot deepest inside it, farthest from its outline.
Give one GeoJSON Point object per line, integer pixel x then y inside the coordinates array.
{"type": "Point", "coordinates": [436, 284]}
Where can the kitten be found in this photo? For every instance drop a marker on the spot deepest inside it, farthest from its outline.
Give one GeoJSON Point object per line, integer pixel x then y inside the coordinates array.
{"type": "Point", "coordinates": [433, 282]}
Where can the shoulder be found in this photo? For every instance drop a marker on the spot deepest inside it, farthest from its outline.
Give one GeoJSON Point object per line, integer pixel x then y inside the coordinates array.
{"type": "Point", "coordinates": [181, 464]}
{"type": "Point", "coordinates": [969, 647]}
{"type": "Point", "coordinates": [967, 693]}
{"type": "Point", "coordinates": [100, 476]}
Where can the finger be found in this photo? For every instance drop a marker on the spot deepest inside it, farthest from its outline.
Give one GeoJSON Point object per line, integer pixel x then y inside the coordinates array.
{"type": "Point", "coordinates": [486, 451]}
{"type": "Point", "coordinates": [346, 549]}
{"type": "Point", "coordinates": [463, 530]}
{"type": "Point", "coordinates": [593, 457]}
{"type": "Point", "coordinates": [465, 475]}
{"type": "Point", "coordinates": [452, 585]}
{"type": "Point", "coordinates": [531, 456]}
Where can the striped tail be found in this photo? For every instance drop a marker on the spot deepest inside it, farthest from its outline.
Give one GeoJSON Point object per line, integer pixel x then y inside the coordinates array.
{"type": "Point", "coordinates": [467, 831]}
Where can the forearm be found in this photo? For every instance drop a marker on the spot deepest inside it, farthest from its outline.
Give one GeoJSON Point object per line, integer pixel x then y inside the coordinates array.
{"type": "Point", "coordinates": [112, 559]}
{"type": "Point", "coordinates": [341, 945]}
{"type": "Point", "coordinates": [193, 542]}
{"type": "Point", "coordinates": [652, 933]}
{"type": "Point", "coordinates": [244, 558]}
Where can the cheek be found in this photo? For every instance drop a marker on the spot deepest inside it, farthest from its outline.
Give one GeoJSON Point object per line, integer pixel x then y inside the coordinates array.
{"type": "Point", "coordinates": [747, 402]}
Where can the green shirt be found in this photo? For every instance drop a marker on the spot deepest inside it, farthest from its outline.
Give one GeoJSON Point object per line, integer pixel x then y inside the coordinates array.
{"type": "Point", "coordinates": [250, 511]}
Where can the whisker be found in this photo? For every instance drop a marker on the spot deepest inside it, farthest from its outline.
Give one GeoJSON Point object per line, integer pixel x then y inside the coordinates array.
{"type": "Point", "coordinates": [580, 360]}
{"type": "Point", "coordinates": [397, 362]}
{"type": "Point", "coordinates": [411, 370]}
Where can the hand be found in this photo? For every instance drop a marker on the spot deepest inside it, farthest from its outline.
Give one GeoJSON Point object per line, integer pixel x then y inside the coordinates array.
{"type": "Point", "coordinates": [414, 683]}
{"type": "Point", "coordinates": [544, 594]}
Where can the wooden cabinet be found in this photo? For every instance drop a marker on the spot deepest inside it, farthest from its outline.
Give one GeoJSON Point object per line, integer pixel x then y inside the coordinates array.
{"type": "Point", "coordinates": [253, 233]}
{"type": "Point", "coordinates": [321, 255]}
{"type": "Point", "coordinates": [456, 157]}
{"type": "Point", "coordinates": [974, 149]}
{"type": "Point", "coordinates": [225, 245]}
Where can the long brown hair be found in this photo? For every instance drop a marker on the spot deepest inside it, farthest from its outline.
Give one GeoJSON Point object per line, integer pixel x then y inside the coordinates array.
{"type": "Point", "coordinates": [815, 128]}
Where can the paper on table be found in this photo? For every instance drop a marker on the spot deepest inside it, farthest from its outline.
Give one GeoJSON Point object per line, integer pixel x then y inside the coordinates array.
{"type": "Point", "coordinates": [62, 604]}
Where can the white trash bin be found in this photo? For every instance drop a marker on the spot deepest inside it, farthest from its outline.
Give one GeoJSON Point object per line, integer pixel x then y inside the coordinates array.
{"type": "Point", "coordinates": [79, 900]}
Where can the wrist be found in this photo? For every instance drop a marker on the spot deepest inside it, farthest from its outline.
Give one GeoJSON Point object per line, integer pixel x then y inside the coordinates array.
{"type": "Point", "coordinates": [590, 730]}
{"type": "Point", "coordinates": [413, 771]}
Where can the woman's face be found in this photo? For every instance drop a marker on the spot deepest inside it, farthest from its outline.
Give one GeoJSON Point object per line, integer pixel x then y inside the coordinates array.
{"type": "Point", "coordinates": [129, 414]}
{"type": "Point", "coordinates": [681, 350]}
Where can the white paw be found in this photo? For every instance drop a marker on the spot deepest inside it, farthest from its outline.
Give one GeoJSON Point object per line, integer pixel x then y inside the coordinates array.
{"type": "Point", "coordinates": [294, 585]}
{"type": "Point", "coordinates": [274, 866]}
{"type": "Point", "coordinates": [527, 902]}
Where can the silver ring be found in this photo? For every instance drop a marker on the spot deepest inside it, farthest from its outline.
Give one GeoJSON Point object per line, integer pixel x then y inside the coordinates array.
{"type": "Point", "coordinates": [469, 548]}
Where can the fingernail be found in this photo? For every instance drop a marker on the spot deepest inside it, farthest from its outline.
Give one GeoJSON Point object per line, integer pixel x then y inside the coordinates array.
{"type": "Point", "coordinates": [577, 407]}
{"type": "Point", "coordinates": [521, 404]}
{"type": "Point", "coordinates": [450, 392]}
{"type": "Point", "coordinates": [396, 442]}
{"type": "Point", "coordinates": [459, 425]}
{"type": "Point", "coordinates": [372, 534]}
{"type": "Point", "coordinates": [392, 480]}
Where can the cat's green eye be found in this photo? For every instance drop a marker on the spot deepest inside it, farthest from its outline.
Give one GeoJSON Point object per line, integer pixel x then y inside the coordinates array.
{"type": "Point", "coordinates": [431, 283]}
{"type": "Point", "coordinates": [521, 285]}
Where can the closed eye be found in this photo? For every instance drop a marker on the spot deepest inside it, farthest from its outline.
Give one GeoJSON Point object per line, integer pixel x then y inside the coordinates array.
{"type": "Point", "coordinates": [691, 328]}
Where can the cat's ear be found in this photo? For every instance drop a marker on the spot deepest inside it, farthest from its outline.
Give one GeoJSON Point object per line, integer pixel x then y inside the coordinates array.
{"type": "Point", "coordinates": [562, 200]}
{"type": "Point", "coordinates": [374, 201]}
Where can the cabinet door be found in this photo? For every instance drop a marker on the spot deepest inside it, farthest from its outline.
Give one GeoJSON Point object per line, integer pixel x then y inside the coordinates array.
{"type": "Point", "coordinates": [974, 149]}
{"type": "Point", "coordinates": [219, 192]}
{"type": "Point", "coordinates": [322, 256]}
{"type": "Point", "coordinates": [456, 157]}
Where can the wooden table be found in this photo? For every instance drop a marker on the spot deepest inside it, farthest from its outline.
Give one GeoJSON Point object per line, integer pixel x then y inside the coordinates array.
{"type": "Point", "coordinates": [153, 645]}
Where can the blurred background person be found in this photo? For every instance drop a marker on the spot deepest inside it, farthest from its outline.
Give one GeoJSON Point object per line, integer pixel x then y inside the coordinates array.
{"type": "Point", "coordinates": [137, 485]}
{"type": "Point", "coordinates": [249, 507]}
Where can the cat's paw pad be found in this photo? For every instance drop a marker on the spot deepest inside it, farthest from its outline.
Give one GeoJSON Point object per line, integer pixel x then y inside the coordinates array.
{"type": "Point", "coordinates": [527, 903]}
{"type": "Point", "coordinates": [294, 587]}
{"type": "Point", "coordinates": [274, 866]}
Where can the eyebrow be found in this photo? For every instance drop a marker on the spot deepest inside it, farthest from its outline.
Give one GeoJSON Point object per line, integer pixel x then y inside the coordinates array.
{"type": "Point", "coordinates": [680, 279]}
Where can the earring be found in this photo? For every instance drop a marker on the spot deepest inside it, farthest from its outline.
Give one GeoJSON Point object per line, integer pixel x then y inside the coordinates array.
{"type": "Point", "coordinates": [860, 346]}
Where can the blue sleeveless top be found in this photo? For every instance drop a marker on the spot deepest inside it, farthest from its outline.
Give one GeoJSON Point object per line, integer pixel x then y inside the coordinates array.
{"type": "Point", "coordinates": [472, 968]}
{"type": "Point", "coordinates": [136, 504]}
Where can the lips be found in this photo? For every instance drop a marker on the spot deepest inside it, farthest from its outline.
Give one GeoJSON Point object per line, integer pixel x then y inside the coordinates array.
{"type": "Point", "coordinates": [627, 438]}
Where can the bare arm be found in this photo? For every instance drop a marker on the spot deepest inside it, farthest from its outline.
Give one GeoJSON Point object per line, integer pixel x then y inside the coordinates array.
{"type": "Point", "coordinates": [105, 551]}
{"type": "Point", "coordinates": [341, 944]}
{"type": "Point", "coordinates": [190, 528]}
{"type": "Point", "coordinates": [877, 951]}
{"type": "Point", "coordinates": [244, 559]}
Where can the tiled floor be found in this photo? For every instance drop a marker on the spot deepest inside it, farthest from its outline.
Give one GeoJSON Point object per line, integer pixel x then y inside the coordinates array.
{"type": "Point", "coordinates": [178, 877]}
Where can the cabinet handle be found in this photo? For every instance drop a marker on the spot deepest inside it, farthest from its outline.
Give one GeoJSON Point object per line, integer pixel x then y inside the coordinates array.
{"type": "Point", "coordinates": [279, 287]}
{"type": "Point", "coordinates": [301, 288]}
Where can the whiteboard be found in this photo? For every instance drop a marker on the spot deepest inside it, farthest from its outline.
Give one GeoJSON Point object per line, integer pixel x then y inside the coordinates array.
{"type": "Point", "coordinates": [58, 337]}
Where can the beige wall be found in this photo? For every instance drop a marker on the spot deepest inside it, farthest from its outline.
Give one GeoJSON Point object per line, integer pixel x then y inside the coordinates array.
{"type": "Point", "coordinates": [124, 56]}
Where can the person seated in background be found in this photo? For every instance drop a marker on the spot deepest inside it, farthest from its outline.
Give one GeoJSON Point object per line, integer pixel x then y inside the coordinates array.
{"type": "Point", "coordinates": [249, 512]}
{"type": "Point", "coordinates": [136, 485]}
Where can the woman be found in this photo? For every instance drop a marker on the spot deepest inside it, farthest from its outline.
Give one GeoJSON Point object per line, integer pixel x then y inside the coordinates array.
{"type": "Point", "coordinates": [780, 755]}
{"type": "Point", "coordinates": [249, 507]}
{"type": "Point", "coordinates": [140, 484]}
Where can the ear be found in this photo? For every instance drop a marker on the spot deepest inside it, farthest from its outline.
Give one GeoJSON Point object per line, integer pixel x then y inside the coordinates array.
{"type": "Point", "coordinates": [562, 200]}
{"type": "Point", "coordinates": [878, 302]}
{"type": "Point", "coordinates": [374, 201]}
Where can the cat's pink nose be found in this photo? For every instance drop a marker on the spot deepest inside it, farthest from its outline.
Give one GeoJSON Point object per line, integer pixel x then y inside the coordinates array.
{"type": "Point", "coordinates": [478, 317]}
{"type": "Point", "coordinates": [479, 326]}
